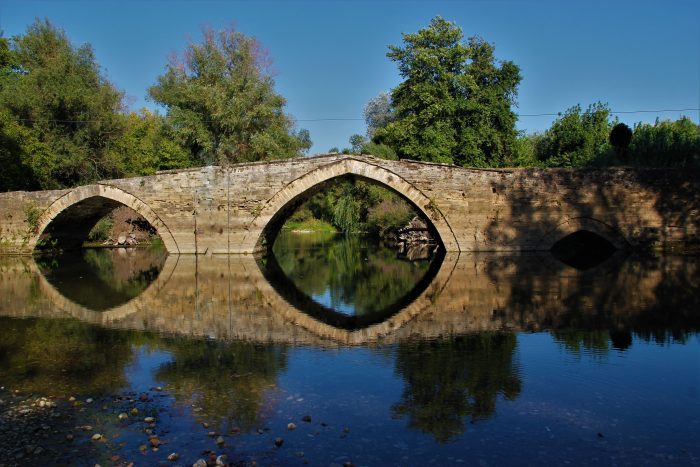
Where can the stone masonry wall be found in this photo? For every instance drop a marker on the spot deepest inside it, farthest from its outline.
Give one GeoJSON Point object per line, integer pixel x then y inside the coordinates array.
{"type": "Point", "coordinates": [225, 210]}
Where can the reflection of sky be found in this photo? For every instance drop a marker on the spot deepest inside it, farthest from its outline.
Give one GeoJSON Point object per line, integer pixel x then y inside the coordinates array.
{"type": "Point", "coordinates": [340, 306]}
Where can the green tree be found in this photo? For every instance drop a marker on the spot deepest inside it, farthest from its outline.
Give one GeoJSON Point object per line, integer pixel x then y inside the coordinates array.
{"type": "Point", "coordinates": [454, 105]}
{"type": "Point", "coordinates": [58, 114]}
{"type": "Point", "coordinates": [149, 144]}
{"type": "Point", "coordinates": [666, 144]}
{"type": "Point", "coordinates": [576, 139]}
{"type": "Point", "coordinates": [220, 97]}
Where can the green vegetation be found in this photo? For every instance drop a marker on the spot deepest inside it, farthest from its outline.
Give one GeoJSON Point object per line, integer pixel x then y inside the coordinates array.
{"type": "Point", "coordinates": [352, 205]}
{"type": "Point", "coordinates": [221, 101]}
{"type": "Point", "coordinates": [62, 123]}
{"type": "Point", "coordinates": [454, 105]}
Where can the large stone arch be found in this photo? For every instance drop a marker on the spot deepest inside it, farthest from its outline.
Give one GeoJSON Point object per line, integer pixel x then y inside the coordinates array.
{"type": "Point", "coordinates": [111, 193]}
{"type": "Point", "coordinates": [349, 166]}
{"type": "Point", "coordinates": [574, 224]}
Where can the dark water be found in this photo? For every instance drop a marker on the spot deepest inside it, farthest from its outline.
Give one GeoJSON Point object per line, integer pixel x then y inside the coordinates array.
{"type": "Point", "coordinates": [491, 360]}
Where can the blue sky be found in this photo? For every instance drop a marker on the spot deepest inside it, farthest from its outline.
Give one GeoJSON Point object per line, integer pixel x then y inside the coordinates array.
{"type": "Point", "coordinates": [330, 56]}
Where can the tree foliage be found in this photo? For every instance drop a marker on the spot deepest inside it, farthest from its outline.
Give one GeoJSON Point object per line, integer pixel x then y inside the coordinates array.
{"type": "Point", "coordinates": [59, 115]}
{"type": "Point", "coordinates": [575, 139]}
{"type": "Point", "coordinates": [220, 98]}
{"type": "Point", "coordinates": [454, 105]}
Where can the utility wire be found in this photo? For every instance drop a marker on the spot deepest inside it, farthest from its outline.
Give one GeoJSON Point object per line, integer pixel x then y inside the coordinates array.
{"type": "Point", "coordinates": [612, 112]}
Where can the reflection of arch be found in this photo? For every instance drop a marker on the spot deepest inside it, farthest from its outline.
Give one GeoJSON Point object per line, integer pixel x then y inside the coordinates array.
{"type": "Point", "coordinates": [274, 208]}
{"type": "Point", "coordinates": [143, 301]}
{"type": "Point", "coordinates": [370, 334]}
{"type": "Point", "coordinates": [575, 224]}
{"type": "Point", "coordinates": [111, 193]}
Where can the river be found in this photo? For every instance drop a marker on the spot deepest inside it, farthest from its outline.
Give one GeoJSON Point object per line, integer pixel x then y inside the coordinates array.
{"type": "Point", "coordinates": [334, 350]}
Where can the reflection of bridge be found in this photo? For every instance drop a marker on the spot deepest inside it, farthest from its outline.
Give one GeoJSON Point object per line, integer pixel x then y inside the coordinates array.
{"type": "Point", "coordinates": [234, 209]}
{"type": "Point", "coordinates": [227, 297]}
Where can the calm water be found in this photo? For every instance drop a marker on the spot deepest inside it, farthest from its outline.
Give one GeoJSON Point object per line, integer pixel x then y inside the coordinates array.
{"type": "Point", "coordinates": [460, 359]}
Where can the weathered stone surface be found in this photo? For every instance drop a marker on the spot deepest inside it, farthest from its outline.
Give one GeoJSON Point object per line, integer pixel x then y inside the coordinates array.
{"type": "Point", "coordinates": [232, 209]}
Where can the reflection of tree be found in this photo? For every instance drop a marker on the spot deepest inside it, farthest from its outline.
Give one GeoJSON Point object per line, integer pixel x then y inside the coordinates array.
{"type": "Point", "coordinates": [227, 381]}
{"type": "Point", "coordinates": [64, 356]}
{"type": "Point", "coordinates": [103, 278]}
{"type": "Point", "coordinates": [455, 378]}
{"type": "Point", "coordinates": [354, 270]}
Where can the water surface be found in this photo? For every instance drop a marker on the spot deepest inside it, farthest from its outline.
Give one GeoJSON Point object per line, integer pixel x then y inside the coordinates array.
{"type": "Point", "coordinates": [494, 359]}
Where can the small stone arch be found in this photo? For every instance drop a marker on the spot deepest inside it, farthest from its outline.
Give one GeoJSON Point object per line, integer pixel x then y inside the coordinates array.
{"type": "Point", "coordinates": [350, 166]}
{"type": "Point", "coordinates": [109, 192]}
{"type": "Point", "coordinates": [575, 224]}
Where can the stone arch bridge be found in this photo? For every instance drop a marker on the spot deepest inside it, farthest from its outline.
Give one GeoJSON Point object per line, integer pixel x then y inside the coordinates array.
{"type": "Point", "coordinates": [237, 209]}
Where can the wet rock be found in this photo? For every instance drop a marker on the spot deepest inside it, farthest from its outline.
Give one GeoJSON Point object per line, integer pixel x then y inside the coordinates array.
{"type": "Point", "coordinates": [221, 460]}
{"type": "Point", "coordinates": [122, 416]}
{"type": "Point", "coordinates": [149, 420]}
{"type": "Point", "coordinates": [279, 442]}
{"type": "Point", "coordinates": [200, 463]}
{"type": "Point", "coordinates": [69, 437]}
{"type": "Point", "coordinates": [88, 400]}
{"type": "Point", "coordinates": [291, 426]}
{"type": "Point", "coordinates": [220, 440]}
{"type": "Point", "coordinates": [97, 437]}
{"type": "Point", "coordinates": [173, 457]}
{"type": "Point", "coordinates": [121, 239]}
{"type": "Point", "coordinates": [134, 412]}
{"type": "Point", "coordinates": [155, 441]}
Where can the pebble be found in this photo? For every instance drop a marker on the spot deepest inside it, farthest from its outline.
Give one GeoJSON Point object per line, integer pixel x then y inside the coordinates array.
{"type": "Point", "coordinates": [69, 437]}
{"type": "Point", "coordinates": [220, 440]}
{"type": "Point", "coordinates": [291, 426]}
{"type": "Point", "coordinates": [134, 411]}
{"type": "Point", "coordinates": [149, 419]}
{"type": "Point", "coordinates": [122, 416]}
{"type": "Point", "coordinates": [221, 460]}
{"type": "Point", "coordinates": [279, 442]}
{"type": "Point", "coordinates": [306, 418]}
{"type": "Point", "coordinates": [88, 400]}
{"type": "Point", "coordinates": [173, 457]}
{"type": "Point", "coordinates": [200, 463]}
{"type": "Point", "coordinates": [96, 437]}
{"type": "Point", "coordinates": [155, 441]}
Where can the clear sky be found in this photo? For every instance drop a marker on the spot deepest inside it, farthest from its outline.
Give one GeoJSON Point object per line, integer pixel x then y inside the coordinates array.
{"type": "Point", "coordinates": [330, 55]}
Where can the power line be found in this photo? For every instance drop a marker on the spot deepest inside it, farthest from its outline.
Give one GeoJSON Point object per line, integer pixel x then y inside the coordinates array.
{"type": "Point", "coordinates": [549, 114]}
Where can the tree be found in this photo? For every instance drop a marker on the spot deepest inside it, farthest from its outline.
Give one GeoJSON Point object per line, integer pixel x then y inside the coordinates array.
{"type": "Point", "coordinates": [576, 139]}
{"type": "Point", "coordinates": [220, 97]}
{"type": "Point", "coordinates": [59, 115]}
{"type": "Point", "coordinates": [378, 113]}
{"type": "Point", "coordinates": [454, 105]}
{"type": "Point", "coordinates": [149, 144]}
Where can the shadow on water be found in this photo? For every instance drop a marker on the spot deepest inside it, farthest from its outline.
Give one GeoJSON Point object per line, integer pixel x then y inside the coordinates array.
{"type": "Point", "coordinates": [349, 282]}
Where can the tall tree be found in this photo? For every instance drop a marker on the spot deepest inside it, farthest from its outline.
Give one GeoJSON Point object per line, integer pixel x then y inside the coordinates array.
{"type": "Point", "coordinates": [220, 97]}
{"type": "Point", "coordinates": [454, 105]}
{"type": "Point", "coordinates": [58, 113]}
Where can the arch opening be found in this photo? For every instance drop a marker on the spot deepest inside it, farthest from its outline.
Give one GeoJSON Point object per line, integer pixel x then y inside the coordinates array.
{"type": "Point", "coordinates": [382, 215]}
{"type": "Point", "coordinates": [583, 249]}
{"type": "Point", "coordinates": [96, 221]}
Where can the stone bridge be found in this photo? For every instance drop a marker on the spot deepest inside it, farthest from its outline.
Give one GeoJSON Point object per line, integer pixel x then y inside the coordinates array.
{"type": "Point", "coordinates": [238, 209]}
